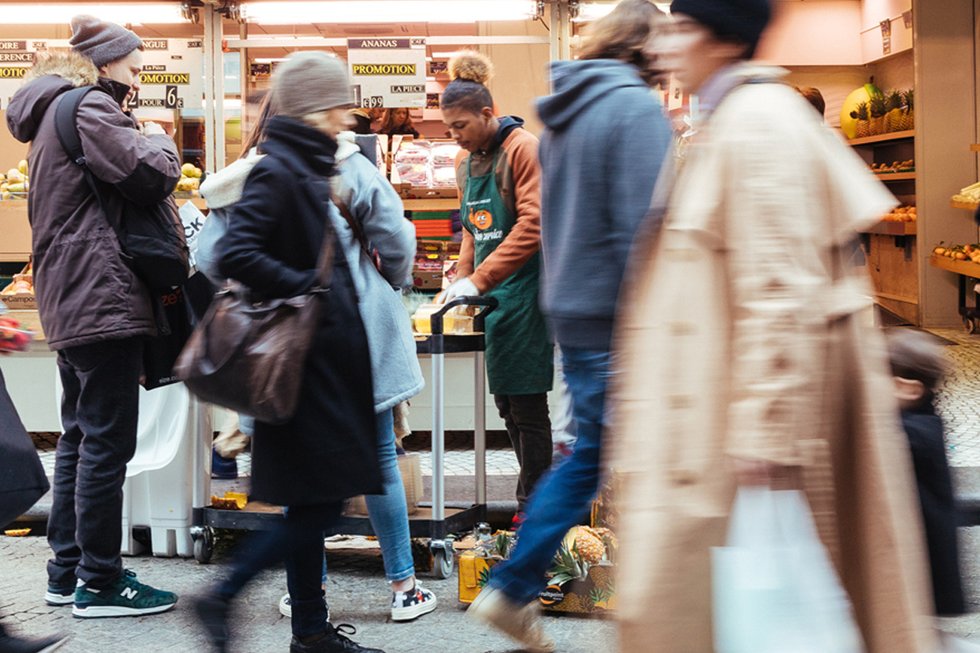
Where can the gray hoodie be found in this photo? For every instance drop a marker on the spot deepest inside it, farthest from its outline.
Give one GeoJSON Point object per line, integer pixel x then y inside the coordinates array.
{"type": "Point", "coordinates": [600, 156]}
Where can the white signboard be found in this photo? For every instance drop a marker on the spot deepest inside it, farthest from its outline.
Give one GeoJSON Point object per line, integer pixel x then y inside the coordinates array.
{"type": "Point", "coordinates": [173, 70]}
{"type": "Point", "coordinates": [387, 72]}
{"type": "Point", "coordinates": [173, 74]}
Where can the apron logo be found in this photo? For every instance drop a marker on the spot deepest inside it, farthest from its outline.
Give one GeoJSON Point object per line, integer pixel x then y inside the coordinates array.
{"type": "Point", "coordinates": [481, 219]}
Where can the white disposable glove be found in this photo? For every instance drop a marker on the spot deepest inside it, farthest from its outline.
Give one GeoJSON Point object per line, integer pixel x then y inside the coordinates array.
{"type": "Point", "coordinates": [459, 288]}
{"type": "Point", "coordinates": [153, 129]}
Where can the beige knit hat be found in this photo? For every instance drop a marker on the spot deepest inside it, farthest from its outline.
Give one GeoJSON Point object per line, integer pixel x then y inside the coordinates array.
{"type": "Point", "coordinates": [308, 82]}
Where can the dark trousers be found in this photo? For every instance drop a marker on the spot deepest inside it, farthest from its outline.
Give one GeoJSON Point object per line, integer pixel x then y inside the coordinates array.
{"type": "Point", "coordinates": [529, 428]}
{"type": "Point", "coordinates": [99, 410]}
{"type": "Point", "coordinates": [297, 539]}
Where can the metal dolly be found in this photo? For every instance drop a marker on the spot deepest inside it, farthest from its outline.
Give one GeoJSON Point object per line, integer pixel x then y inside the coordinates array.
{"type": "Point", "coordinates": [437, 521]}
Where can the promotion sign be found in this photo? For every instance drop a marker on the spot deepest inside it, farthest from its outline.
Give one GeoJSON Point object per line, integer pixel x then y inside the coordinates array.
{"type": "Point", "coordinates": [387, 72]}
{"type": "Point", "coordinates": [173, 74]}
{"type": "Point", "coordinates": [16, 57]}
{"type": "Point", "coordinates": [172, 77]}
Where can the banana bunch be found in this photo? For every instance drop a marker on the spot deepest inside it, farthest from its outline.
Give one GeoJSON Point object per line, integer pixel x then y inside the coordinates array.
{"type": "Point", "coordinates": [969, 194]}
{"type": "Point", "coordinates": [15, 183]}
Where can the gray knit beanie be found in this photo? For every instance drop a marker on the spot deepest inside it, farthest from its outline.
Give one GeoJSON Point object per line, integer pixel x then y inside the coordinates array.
{"type": "Point", "coordinates": [100, 41]}
{"type": "Point", "coordinates": [308, 82]}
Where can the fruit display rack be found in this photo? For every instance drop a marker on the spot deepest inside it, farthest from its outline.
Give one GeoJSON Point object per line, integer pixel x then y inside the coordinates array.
{"type": "Point", "coordinates": [968, 276]}
{"type": "Point", "coordinates": [891, 245]}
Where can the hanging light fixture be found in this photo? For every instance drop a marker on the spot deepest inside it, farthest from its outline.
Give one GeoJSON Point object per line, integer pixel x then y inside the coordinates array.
{"type": "Point", "coordinates": [388, 11]}
{"type": "Point", "coordinates": [60, 13]}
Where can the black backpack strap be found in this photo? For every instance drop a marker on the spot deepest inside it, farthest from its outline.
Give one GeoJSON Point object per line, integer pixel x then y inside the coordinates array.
{"type": "Point", "coordinates": [66, 123]}
{"type": "Point", "coordinates": [66, 126]}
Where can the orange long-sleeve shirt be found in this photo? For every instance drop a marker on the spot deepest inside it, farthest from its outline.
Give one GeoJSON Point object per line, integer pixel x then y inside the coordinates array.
{"type": "Point", "coordinates": [519, 182]}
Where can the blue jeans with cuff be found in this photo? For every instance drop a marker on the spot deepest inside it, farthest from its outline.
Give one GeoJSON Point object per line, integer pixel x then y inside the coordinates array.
{"type": "Point", "coordinates": [564, 496]}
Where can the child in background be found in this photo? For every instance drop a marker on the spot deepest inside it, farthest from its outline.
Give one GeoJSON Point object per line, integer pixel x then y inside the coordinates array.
{"type": "Point", "coordinates": [918, 366]}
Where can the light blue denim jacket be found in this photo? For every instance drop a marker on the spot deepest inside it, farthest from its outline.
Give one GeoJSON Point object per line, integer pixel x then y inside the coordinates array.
{"type": "Point", "coordinates": [376, 206]}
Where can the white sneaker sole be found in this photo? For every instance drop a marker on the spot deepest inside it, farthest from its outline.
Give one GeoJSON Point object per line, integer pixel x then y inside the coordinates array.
{"type": "Point", "coordinates": [99, 611]}
{"type": "Point", "coordinates": [286, 608]}
{"type": "Point", "coordinates": [59, 599]}
{"type": "Point", "coordinates": [55, 646]}
{"type": "Point", "coordinates": [414, 612]}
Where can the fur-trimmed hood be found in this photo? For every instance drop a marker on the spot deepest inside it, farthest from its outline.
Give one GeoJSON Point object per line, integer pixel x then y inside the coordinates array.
{"type": "Point", "coordinates": [51, 75]}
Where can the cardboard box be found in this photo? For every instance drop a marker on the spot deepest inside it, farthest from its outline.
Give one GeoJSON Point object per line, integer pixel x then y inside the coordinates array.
{"type": "Point", "coordinates": [430, 256]}
{"type": "Point", "coordinates": [19, 302]}
{"type": "Point", "coordinates": [30, 321]}
{"type": "Point", "coordinates": [596, 593]}
{"type": "Point", "coordinates": [410, 467]}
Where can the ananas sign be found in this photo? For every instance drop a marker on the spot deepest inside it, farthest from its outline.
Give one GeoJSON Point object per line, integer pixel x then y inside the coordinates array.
{"type": "Point", "coordinates": [387, 72]}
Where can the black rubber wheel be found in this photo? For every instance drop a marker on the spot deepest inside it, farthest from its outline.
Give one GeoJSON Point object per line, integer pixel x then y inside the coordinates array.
{"type": "Point", "coordinates": [442, 563]}
{"type": "Point", "coordinates": [204, 546]}
{"type": "Point", "coordinates": [970, 324]}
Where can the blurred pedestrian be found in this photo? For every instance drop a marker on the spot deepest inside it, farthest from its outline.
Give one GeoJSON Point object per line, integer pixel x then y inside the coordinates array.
{"type": "Point", "coordinates": [328, 450]}
{"type": "Point", "coordinates": [22, 483]}
{"type": "Point", "coordinates": [744, 358]}
{"type": "Point", "coordinates": [95, 311]}
{"type": "Point", "coordinates": [500, 186]}
{"type": "Point", "coordinates": [362, 121]}
{"type": "Point", "coordinates": [814, 97]}
{"type": "Point", "coordinates": [601, 153]}
{"type": "Point", "coordinates": [918, 367]}
{"type": "Point", "coordinates": [371, 227]}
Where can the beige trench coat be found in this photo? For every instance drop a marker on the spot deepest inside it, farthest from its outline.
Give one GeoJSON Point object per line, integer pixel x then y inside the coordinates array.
{"type": "Point", "coordinates": [740, 336]}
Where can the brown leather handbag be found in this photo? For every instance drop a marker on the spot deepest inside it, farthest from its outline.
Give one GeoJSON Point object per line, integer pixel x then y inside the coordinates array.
{"type": "Point", "coordinates": [249, 356]}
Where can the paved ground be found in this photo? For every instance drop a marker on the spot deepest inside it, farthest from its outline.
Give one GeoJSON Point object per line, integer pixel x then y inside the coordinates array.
{"type": "Point", "coordinates": [357, 592]}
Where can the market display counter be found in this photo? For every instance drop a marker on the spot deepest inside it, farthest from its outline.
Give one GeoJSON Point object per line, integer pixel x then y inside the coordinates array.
{"type": "Point", "coordinates": [968, 282]}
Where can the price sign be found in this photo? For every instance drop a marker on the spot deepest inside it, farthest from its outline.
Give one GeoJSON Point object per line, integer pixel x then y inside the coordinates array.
{"type": "Point", "coordinates": [388, 72]}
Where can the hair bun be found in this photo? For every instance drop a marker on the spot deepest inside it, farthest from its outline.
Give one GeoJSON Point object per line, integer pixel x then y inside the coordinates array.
{"type": "Point", "coordinates": [471, 66]}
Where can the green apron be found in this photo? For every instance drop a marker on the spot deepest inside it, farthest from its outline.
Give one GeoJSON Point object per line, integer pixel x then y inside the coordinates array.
{"type": "Point", "coordinates": [520, 357]}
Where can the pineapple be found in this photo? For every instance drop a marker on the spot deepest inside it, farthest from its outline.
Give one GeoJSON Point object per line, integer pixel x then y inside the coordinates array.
{"type": "Point", "coordinates": [567, 565]}
{"type": "Point", "coordinates": [860, 114]}
{"type": "Point", "coordinates": [908, 117]}
{"type": "Point", "coordinates": [893, 119]}
{"type": "Point", "coordinates": [878, 107]}
{"type": "Point", "coordinates": [589, 545]}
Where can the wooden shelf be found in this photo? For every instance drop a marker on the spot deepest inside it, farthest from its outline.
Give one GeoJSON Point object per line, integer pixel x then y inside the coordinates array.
{"type": "Point", "coordinates": [966, 268]}
{"type": "Point", "coordinates": [975, 147]}
{"type": "Point", "coordinates": [883, 138]}
{"type": "Point", "coordinates": [895, 176]}
{"type": "Point", "coordinates": [969, 206]}
{"type": "Point", "coordinates": [896, 298]}
{"type": "Point", "coordinates": [435, 204]}
{"type": "Point", "coordinates": [891, 228]}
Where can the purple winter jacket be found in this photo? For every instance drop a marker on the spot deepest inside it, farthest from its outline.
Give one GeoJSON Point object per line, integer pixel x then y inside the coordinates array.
{"type": "Point", "coordinates": [85, 292]}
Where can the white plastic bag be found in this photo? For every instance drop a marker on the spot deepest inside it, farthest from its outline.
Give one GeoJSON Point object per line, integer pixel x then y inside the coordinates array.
{"type": "Point", "coordinates": [775, 589]}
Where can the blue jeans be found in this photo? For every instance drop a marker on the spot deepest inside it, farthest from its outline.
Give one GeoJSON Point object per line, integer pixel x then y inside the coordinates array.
{"type": "Point", "coordinates": [388, 511]}
{"type": "Point", "coordinates": [563, 497]}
